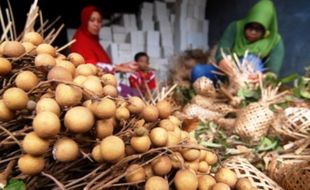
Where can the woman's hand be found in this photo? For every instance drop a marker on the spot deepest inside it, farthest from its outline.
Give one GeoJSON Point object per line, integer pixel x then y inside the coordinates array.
{"type": "Point", "coordinates": [127, 67]}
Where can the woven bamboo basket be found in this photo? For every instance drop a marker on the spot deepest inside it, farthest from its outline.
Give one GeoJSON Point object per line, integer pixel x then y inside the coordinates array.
{"type": "Point", "coordinates": [244, 169]}
{"type": "Point", "coordinates": [211, 104]}
{"type": "Point", "coordinates": [293, 123]}
{"type": "Point", "coordinates": [278, 166]}
{"type": "Point", "coordinates": [196, 111]}
{"type": "Point", "coordinates": [204, 86]}
{"type": "Point", "coordinates": [254, 121]}
{"type": "Point", "coordinates": [297, 177]}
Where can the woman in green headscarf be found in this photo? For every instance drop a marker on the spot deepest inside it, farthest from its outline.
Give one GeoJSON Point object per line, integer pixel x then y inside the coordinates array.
{"type": "Point", "coordinates": [258, 33]}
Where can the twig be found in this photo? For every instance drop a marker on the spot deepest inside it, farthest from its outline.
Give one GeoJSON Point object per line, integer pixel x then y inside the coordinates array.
{"type": "Point", "coordinates": [13, 137]}
{"type": "Point", "coordinates": [58, 183]}
{"type": "Point", "coordinates": [56, 34]}
{"type": "Point", "coordinates": [5, 31]}
{"type": "Point", "coordinates": [67, 45]}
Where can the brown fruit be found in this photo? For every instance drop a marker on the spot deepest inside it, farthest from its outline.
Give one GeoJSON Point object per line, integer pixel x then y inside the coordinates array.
{"type": "Point", "coordinates": [135, 104]}
{"type": "Point", "coordinates": [244, 184]}
{"type": "Point", "coordinates": [167, 124]}
{"type": "Point", "coordinates": [112, 148]}
{"type": "Point", "coordinates": [93, 84]}
{"type": "Point", "coordinates": [135, 173]}
{"type": "Point", "coordinates": [96, 153]}
{"type": "Point", "coordinates": [5, 113]}
{"type": "Point", "coordinates": [194, 165]}
{"type": "Point", "coordinates": [122, 113]}
{"type": "Point", "coordinates": [26, 80]}
{"type": "Point", "coordinates": [164, 109]}
{"type": "Point", "coordinates": [84, 69]}
{"type": "Point", "coordinates": [105, 109]}
{"type": "Point", "coordinates": [79, 80]}
{"type": "Point", "coordinates": [211, 158]}
{"type": "Point", "coordinates": [66, 150]}
{"type": "Point", "coordinates": [129, 150]}
{"type": "Point", "coordinates": [150, 113]}
{"type": "Point", "coordinates": [79, 119]}
{"type": "Point", "coordinates": [174, 120]}
{"type": "Point", "coordinates": [191, 154]}
{"type": "Point", "coordinates": [104, 127]}
{"type": "Point", "coordinates": [46, 124]}
{"type": "Point", "coordinates": [59, 73]}
{"type": "Point", "coordinates": [205, 182]}
{"type": "Point", "coordinates": [109, 79]}
{"type": "Point", "coordinates": [220, 186]}
{"type": "Point", "coordinates": [13, 49]}
{"type": "Point", "coordinates": [226, 176]}
{"type": "Point", "coordinates": [76, 59]}
{"type": "Point", "coordinates": [204, 167]}
{"type": "Point", "coordinates": [30, 48]}
{"type": "Point", "coordinates": [15, 98]}
{"type": "Point", "coordinates": [30, 165]}
{"type": "Point", "coordinates": [186, 180]}
{"type": "Point", "coordinates": [5, 66]}
{"type": "Point", "coordinates": [46, 49]}
{"type": "Point", "coordinates": [162, 165]}
{"type": "Point", "coordinates": [66, 95]}
{"type": "Point", "coordinates": [177, 160]}
{"type": "Point", "coordinates": [159, 136]}
{"type": "Point", "coordinates": [34, 145]}
{"type": "Point", "coordinates": [44, 60]}
{"type": "Point", "coordinates": [140, 144]}
{"type": "Point", "coordinates": [156, 183]}
{"type": "Point", "coordinates": [110, 90]}
{"type": "Point", "coordinates": [48, 104]}
{"type": "Point", "coordinates": [67, 65]}
{"type": "Point", "coordinates": [33, 37]}
{"type": "Point", "coordinates": [173, 139]}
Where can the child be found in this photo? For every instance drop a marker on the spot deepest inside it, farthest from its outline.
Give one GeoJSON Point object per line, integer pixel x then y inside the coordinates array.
{"type": "Point", "coordinates": [144, 76]}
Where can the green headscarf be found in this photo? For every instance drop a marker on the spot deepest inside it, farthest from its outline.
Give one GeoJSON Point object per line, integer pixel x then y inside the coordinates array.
{"type": "Point", "coordinates": [263, 13]}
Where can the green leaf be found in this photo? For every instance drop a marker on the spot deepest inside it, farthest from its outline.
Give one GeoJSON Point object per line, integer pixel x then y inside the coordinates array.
{"type": "Point", "coordinates": [15, 184]}
{"type": "Point", "coordinates": [267, 144]}
{"type": "Point", "coordinates": [289, 78]}
{"type": "Point", "coordinates": [305, 94]}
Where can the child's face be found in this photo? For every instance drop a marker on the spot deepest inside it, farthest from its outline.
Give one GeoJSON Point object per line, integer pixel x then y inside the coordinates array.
{"type": "Point", "coordinates": [143, 63]}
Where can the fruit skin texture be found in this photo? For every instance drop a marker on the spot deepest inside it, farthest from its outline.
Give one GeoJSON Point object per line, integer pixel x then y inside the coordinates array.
{"type": "Point", "coordinates": [135, 173]}
{"type": "Point", "coordinates": [34, 145]}
{"type": "Point", "coordinates": [33, 37]}
{"type": "Point", "coordinates": [104, 128]}
{"type": "Point", "coordinates": [105, 109]}
{"type": "Point", "coordinates": [156, 183]}
{"type": "Point", "coordinates": [205, 182]}
{"type": "Point", "coordinates": [13, 49]}
{"type": "Point", "coordinates": [5, 66]}
{"type": "Point", "coordinates": [5, 113]}
{"type": "Point", "coordinates": [243, 184]}
{"type": "Point", "coordinates": [135, 105]}
{"type": "Point", "coordinates": [46, 124]}
{"type": "Point", "coordinates": [186, 180]}
{"type": "Point", "coordinates": [140, 144]}
{"type": "Point", "coordinates": [112, 148]}
{"type": "Point", "coordinates": [220, 186]}
{"type": "Point", "coordinates": [150, 113]}
{"type": "Point", "coordinates": [26, 80]}
{"type": "Point", "coordinates": [30, 165]}
{"type": "Point", "coordinates": [211, 158]}
{"type": "Point", "coordinates": [15, 98]}
{"type": "Point", "coordinates": [226, 176]}
{"type": "Point", "coordinates": [48, 104]}
{"type": "Point", "coordinates": [164, 108]}
{"type": "Point", "coordinates": [79, 119]}
{"type": "Point", "coordinates": [66, 150]}
{"type": "Point", "coordinates": [159, 136]}
{"type": "Point", "coordinates": [162, 165]}
{"type": "Point", "coordinates": [96, 154]}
